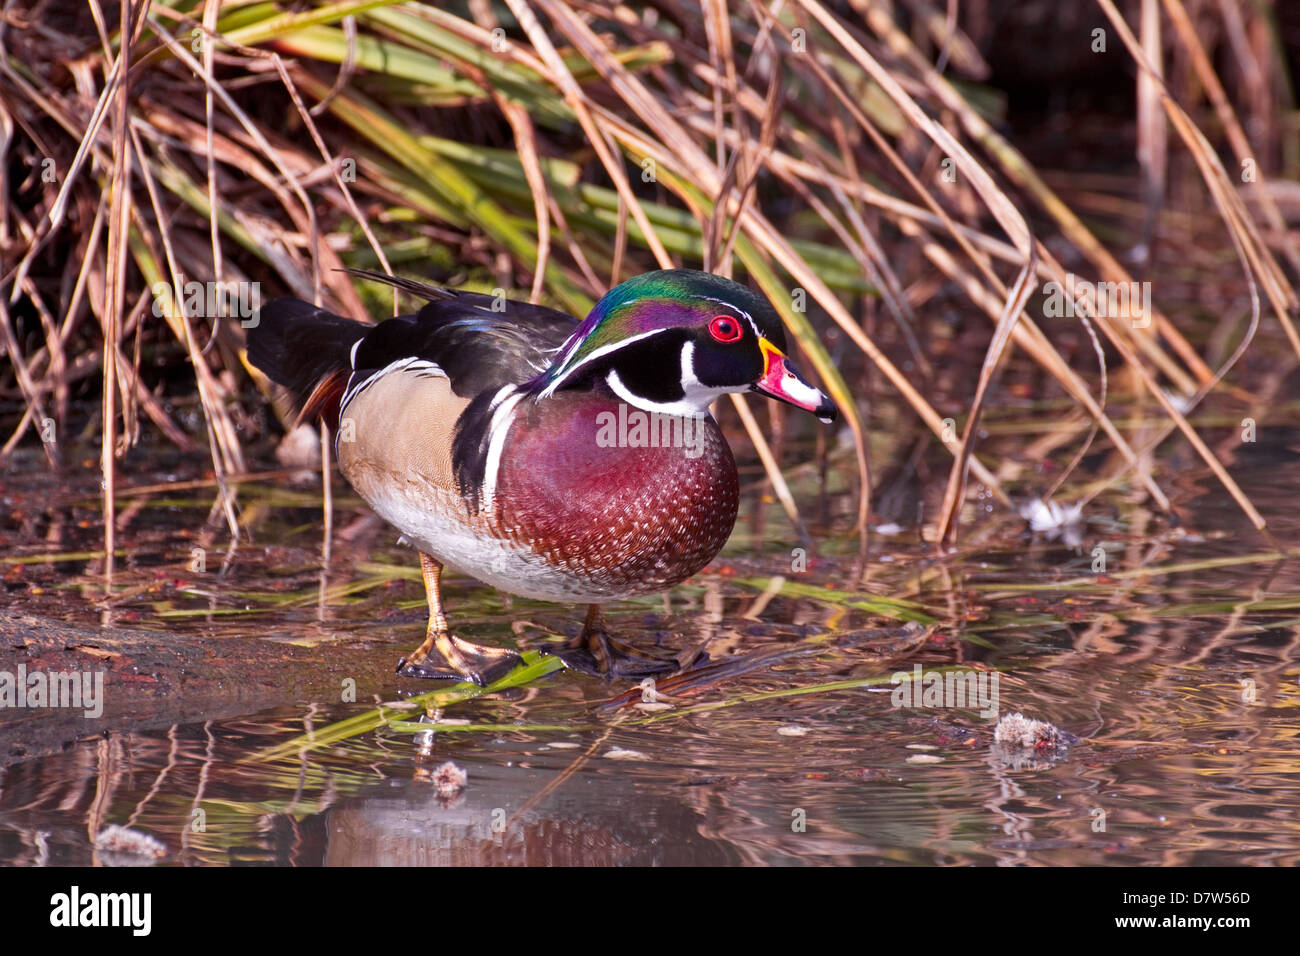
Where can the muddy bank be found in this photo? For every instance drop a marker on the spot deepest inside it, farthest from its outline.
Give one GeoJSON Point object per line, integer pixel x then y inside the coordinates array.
{"type": "Point", "coordinates": [152, 679]}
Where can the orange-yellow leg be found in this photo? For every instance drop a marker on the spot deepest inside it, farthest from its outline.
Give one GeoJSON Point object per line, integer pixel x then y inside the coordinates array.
{"type": "Point", "coordinates": [443, 656]}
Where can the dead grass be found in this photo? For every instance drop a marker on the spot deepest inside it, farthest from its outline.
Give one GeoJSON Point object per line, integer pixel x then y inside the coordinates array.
{"type": "Point", "coordinates": [149, 143]}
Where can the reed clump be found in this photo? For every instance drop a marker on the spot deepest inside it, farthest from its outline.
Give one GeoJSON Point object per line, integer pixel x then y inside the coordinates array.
{"type": "Point", "coordinates": [855, 161]}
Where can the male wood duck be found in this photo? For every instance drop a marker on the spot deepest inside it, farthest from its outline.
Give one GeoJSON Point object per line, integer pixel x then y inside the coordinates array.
{"type": "Point", "coordinates": [554, 459]}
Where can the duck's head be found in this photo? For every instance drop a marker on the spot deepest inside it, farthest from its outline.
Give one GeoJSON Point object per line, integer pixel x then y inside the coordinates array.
{"type": "Point", "coordinates": [675, 340]}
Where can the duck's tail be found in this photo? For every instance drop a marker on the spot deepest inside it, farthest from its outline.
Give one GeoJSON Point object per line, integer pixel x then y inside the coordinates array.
{"type": "Point", "coordinates": [308, 351]}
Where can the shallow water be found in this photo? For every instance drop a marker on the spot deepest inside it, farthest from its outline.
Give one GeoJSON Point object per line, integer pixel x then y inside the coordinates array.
{"type": "Point", "coordinates": [1177, 669]}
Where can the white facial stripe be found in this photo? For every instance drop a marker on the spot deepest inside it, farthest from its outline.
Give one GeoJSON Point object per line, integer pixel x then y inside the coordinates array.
{"type": "Point", "coordinates": [497, 431]}
{"type": "Point", "coordinates": [568, 352]}
{"type": "Point", "coordinates": [572, 349]}
{"type": "Point", "coordinates": [735, 308]}
{"type": "Point", "coordinates": [603, 350]}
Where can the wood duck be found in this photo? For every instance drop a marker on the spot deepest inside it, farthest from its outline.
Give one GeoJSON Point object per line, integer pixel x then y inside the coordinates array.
{"type": "Point", "coordinates": [551, 458]}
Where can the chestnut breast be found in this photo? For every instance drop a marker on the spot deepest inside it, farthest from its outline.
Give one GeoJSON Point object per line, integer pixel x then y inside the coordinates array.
{"type": "Point", "coordinates": [631, 501]}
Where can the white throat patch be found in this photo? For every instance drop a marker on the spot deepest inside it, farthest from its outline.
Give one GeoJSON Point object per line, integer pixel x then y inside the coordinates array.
{"type": "Point", "coordinates": [696, 399]}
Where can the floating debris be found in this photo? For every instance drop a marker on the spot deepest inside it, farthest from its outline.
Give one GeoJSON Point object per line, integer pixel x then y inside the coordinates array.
{"type": "Point", "coordinates": [1022, 743]}
{"type": "Point", "coordinates": [1055, 520]}
{"type": "Point", "coordinates": [924, 758]}
{"type": "Point", "coordinates": [652, 702]}
{"type": "Point", "coordinates": [449, 780]}
{"type": "Point", "coordinates": [1017, 730]}
{"type": "Point", "coordinates": [791, 730]}
{"type": "Point", "coordinates": [117, 839]}
{"type": "Point", "coordinates": [650, 693]}
{"type": "Point", "coordinates": [653, 707]}
{"type": "Point", "coordinates": [618, 753]}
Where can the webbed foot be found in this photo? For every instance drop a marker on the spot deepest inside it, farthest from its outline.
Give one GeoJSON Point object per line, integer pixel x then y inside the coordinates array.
{"type": "Point", "coordinates": [447, 657]}
{"type": "Point", "coordinates": [597, 652]}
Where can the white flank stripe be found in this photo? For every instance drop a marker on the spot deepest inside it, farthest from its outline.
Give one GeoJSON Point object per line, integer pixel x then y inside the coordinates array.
{"type": "Point", "coordinates": [421, 366]}
{"type": "Point", "coordinates": [497, 431]}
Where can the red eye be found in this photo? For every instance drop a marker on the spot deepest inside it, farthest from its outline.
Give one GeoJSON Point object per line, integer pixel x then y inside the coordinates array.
{"type": "Point", "coordinates": [724, 328]}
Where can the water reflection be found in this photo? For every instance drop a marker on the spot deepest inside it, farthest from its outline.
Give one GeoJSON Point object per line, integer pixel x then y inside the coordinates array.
{"type": "Point", "coordinates": [1176, 667]}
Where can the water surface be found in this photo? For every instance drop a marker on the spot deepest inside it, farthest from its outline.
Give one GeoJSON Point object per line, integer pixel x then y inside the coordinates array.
{"type": "Point", "coordinates": [1176, 668]}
